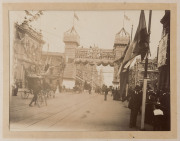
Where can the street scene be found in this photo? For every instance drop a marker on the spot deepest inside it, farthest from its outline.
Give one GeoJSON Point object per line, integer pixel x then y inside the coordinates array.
{"type": "Point", "coordinates": [78, 71]}
{"type": "Point", "coordinates": [72, 112]}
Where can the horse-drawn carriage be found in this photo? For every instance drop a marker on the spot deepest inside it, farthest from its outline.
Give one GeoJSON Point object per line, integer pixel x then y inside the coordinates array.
{"type": "Point", "coordinates": [45, 89]}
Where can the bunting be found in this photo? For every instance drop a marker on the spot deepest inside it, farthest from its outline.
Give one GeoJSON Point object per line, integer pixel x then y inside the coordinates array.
{"type": "Point", "coordinates": [76, 17]}
{"type": "Point", "coordinates": [126, 17]}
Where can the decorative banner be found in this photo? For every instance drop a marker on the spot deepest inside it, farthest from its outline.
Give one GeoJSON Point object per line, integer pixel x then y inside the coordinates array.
{"type": "Point", "coordinates": [162, 51]}
{"type": "Point", "coordinates": [95, 53]}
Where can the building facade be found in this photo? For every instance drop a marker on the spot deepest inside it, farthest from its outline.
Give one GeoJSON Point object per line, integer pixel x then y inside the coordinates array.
{"type": "Point", "coordinates": [27, 48]}
{"type": "Point", "coordinates": [164, 70]}
{"type": "Point", "coordinates": [88, 73]}
{"type": "Point", "coordinates": [164, 53]}
{"type": "Point", "coordinates": [136, 73]}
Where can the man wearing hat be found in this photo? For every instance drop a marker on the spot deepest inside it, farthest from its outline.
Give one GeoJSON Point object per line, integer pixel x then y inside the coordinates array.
{"type": "Point", "coordinates": [135, 104]}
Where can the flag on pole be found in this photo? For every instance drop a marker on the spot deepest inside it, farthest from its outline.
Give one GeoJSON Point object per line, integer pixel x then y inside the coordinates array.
{"type": "Point", "coordinates": [142, 37]}
{"type": "Point", "coordinates": [76, 17]}
{"type": "Point", "coordinates": [28, 13]}
{"type": "Point", "coordinates": [126, 17]}
{"type": "Point", "coordinates": [139, 46]}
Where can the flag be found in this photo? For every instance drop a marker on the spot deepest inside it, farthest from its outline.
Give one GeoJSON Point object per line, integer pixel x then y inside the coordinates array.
{"type": "Point", "coordinates": [20, 36]}
{"type": "Point", "coordinates": [76, 17]}
{"type": "Point", "coordinates": [120, 61]}
{"type": "Point", "coordinates": [40, 12]}
{"type": "Point", "coordinates": [139, 46]}
{"type": "Point", "coordinates": [129, 63]}
{"type": "Point", "coordinates": [123, 81]}
{"type": "Point", "coordinates": [28, 13]}
{"type": "Point", "coordinates": [126, 17]}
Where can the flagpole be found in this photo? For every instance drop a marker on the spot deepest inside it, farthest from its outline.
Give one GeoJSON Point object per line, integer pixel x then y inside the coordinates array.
{"type": "Point", "coordinates": [73, 18]}
{"type": "Point", "coordinates": [123, 19]}
{"type": "Point", "coordinates": [131, 31]}
{"type": "Point", "coordinates": [145, 77]}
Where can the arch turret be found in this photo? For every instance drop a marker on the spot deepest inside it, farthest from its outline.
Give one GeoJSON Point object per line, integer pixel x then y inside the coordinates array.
{"type": "Point", "coordinates": [72, 41]}
{"type": "Point", "coordinates": [122, 39]}
{"type": "Point", "coordinates": [71, 36]}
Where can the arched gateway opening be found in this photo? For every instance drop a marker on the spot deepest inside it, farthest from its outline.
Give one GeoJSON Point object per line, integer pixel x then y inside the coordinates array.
{"type": "Point", "coordinates": [81, 63]}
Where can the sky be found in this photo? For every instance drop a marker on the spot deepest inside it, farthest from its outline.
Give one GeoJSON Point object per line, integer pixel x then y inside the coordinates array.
{"type": "Point", "coordinates": [94, 28]}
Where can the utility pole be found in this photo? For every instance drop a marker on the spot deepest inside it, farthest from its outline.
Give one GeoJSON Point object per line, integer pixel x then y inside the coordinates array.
{"type": "Point", "coordinates": [145, 77]}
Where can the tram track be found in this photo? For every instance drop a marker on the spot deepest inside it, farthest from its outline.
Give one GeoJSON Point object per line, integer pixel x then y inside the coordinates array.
{"type": "Point", "coordinates": [14, 108]}
{"type": "Point", "coordinates": [31, 109]}
{"type": "Point", "coordinates": [53, 113]}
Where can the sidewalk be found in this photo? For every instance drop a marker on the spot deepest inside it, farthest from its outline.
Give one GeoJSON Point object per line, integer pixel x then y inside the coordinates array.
{"type": "Point", "coordinates": [147, 127]}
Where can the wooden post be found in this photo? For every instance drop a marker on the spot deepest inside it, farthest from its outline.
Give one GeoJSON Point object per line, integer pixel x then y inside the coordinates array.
{"type": "Point", "coordinates": [145, 79]}
{"type": "Point", "coordinates": [143, 104]}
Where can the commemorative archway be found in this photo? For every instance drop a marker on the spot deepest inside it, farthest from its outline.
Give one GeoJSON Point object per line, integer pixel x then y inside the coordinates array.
{"type": "Point", "coordinates": [81, 62]}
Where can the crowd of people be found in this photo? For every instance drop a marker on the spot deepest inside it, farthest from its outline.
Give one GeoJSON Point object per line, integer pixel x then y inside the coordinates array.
{"type": "Point", "coordinates": [157, 112]}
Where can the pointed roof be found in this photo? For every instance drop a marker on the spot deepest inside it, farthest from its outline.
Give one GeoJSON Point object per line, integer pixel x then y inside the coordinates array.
{"type": "Point", "coordinates": [123, 32]}
{"type": "Point", "coordinates": [71, 35]}
{"type": "Point", "coordinates": [122, 37]}
{"type": "Point", "coordinates": [72, 30]}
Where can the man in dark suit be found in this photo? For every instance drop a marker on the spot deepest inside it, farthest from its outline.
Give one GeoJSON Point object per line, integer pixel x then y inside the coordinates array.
{"type": "Point", "coordinates": [105, 93]}
{"type": "Point", "coordinates": [36, 90]}
{"type": "Point", "coordinates": [135, 104]}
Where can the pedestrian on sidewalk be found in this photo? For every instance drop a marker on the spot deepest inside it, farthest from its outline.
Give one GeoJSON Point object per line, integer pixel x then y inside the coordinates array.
{"type": "Point", "coordinates": [16, 87]}
{"type": "Point", "coordinates": [158, 118]}
{"type": "Point", "coordinates": [106, 93]}
{"type": "Point", "coordinates": [89, 90]}
{"type": "Point", "coordinates": [135, 104]}
{"type": "Point", "coordinates": [113, 93]}
{"type": "Point", "coordinates": [36, 91]}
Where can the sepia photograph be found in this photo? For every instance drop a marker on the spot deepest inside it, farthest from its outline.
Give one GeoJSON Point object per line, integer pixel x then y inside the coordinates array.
{"type": "Point", "coordinates": [70, 73]}
{"type": "Point", "coordinates": [90, 70]}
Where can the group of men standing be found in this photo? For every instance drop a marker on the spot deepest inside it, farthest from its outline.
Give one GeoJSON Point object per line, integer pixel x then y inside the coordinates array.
{"type": "Point", "coordinates": [157, 108]}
